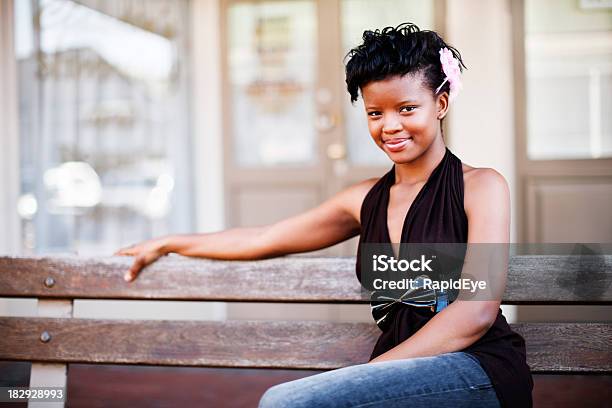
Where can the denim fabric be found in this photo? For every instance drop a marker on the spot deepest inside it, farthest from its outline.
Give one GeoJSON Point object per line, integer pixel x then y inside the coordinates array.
{"type": "Point", "coordinates": [447, 380]}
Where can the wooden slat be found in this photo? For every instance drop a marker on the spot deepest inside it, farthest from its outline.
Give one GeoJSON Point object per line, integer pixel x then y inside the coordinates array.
{"type": "Point", "coordinates": [567, 347]}
{"type": "Point", "coordinates": [552, 348]}
{"type": "Point", "coordinates": [181, 278]}
{"type": "Point", "coordinates": [307, 345]}
{"type": "Point", "coordinates": [533, 279]}
{"type": "Point", "coordinates": [559, 279]}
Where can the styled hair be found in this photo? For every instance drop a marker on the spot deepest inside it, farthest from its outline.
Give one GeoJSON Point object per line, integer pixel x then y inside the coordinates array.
{"type": "Point", "coordinates": [400, 50]}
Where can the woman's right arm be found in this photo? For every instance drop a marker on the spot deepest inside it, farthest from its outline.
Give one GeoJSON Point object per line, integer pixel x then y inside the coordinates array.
{"type": "Point", "coordinates": [334, 221]}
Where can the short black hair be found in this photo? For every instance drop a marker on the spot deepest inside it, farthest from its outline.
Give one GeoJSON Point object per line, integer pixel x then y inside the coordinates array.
{"type": "Point", "coordinates": [397, 51]}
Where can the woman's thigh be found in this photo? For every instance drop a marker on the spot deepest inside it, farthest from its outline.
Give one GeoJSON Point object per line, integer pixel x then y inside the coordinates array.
{"type": "Point", "coordinates": [446, 380]}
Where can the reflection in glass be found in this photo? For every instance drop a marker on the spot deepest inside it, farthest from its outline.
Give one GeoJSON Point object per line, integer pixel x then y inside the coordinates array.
{"type": "Point", "coordinates": [272, 70]}
{"type": "Point", "coordinates": [568, 51]}
{"type": "Point", "coordinates": [103, 122]}
{"type": "Point", "coordinates": [357, 16]}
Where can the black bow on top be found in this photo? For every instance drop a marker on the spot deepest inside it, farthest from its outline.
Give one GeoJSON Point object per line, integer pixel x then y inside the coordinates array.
{"type": "Point", "coordinates": [382, 305]}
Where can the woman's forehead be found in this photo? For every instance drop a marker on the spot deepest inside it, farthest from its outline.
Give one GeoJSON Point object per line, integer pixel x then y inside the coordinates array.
{"type": "Point", "coordinates": [395, 88]}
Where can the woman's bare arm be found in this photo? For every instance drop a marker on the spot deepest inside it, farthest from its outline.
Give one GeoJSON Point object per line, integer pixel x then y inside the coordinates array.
{"type": "Point", "coordinates": [334, 221]}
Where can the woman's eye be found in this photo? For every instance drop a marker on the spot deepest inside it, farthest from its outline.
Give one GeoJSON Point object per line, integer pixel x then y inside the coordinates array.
{"type": "Point", "coordinates": [407, 108]}
{"type": "Point", "coordinates": [373, 113]}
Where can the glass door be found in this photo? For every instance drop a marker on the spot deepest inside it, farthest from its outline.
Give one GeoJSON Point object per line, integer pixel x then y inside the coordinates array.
{"type": "Point", "coordinates": [271, 78]}
{"type": "Point", "coordinates": [294, 138]}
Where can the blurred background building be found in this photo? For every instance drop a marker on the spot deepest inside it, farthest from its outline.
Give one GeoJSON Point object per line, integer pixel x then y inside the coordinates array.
{"type": "Point", "coordinates": [104, 135]}
{"type": "Point", "coordinates": [128, 119]}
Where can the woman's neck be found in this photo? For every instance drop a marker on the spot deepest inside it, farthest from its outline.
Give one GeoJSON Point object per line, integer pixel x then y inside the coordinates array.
{"type": "Point", "coordinates": [419, 169]}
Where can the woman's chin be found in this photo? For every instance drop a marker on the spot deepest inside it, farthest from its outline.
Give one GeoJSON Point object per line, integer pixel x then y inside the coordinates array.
{"type": "Point", "coordinates": [403, 157]}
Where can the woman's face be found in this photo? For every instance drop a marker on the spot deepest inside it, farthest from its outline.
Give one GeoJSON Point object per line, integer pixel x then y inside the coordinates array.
{"type": "Point", "coordinates": [403, 115]}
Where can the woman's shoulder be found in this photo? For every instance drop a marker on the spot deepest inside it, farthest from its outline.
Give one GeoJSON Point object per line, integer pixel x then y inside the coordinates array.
{"type": "Point", "coordinates": [479, 176]}
{"type": "Point", "coordinates": [483, 185]}
{"type": "Point", "coordinates": [354, 195]}
{"type": "Point", "coordinates": [361, 189]}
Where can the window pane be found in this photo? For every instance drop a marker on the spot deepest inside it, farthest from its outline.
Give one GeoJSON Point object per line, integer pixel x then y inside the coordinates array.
{"type": "Point", "coordinates": [568, 47]}
{"type": "Point", "coordinates": [358, 16]}
{"type": "Point", "coordinates": [103, 122]}
{"type": "Point", "coordinates": [272, 66]}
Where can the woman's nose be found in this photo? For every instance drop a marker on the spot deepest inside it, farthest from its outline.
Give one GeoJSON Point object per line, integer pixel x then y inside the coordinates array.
{"type": "Point", "coordinates": [392, 125]}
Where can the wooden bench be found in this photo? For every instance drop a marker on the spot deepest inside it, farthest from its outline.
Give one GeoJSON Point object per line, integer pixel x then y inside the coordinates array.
{"type": "Point", "coordinates": [55, 338]}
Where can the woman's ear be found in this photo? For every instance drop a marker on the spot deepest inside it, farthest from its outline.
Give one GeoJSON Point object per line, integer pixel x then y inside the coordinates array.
{"type": "Point", "coordinates": [441, 105]}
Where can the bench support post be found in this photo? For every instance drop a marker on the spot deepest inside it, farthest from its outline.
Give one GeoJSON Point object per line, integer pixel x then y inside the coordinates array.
{"type": "Point", "coordinates": [44, 374]}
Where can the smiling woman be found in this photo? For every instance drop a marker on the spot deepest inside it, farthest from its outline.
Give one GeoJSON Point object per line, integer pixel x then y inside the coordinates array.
{"type": "Point", "coordinates": [406, 78]}
{"type": "Point", "coordinates": [461, 354]}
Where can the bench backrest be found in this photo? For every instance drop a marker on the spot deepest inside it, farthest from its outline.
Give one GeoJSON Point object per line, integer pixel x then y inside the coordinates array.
{"type": "Point", "coordinates": [59, 338]}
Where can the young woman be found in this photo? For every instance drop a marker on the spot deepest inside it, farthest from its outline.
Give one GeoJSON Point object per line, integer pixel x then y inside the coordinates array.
{"type": "Point", "coordinates": [464, 355]}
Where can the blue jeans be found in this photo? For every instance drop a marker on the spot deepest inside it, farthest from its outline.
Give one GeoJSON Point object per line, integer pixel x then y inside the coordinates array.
{"type": "Point", "coordinates": [447, 380]}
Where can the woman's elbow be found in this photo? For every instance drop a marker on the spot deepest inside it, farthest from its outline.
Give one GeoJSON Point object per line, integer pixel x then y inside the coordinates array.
{"type": "Point", "coordinates": [482, 314]}
{"type": "Point", "coordinates": [486, 314]}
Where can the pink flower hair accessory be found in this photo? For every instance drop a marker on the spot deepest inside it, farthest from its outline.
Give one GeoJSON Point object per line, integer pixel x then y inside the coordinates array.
{"type": "Point", "coordinates": [450, 66]}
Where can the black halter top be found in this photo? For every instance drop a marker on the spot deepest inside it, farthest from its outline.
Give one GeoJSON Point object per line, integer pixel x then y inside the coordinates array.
{"type": "Point", "coordinates": [437, 215]}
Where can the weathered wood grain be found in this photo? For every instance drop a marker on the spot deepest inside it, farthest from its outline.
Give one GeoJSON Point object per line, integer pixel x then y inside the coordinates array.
{"type": "Point", "coordinates": [532, 279]}
{"type": "Point", "coordinates": [551, 347]}
{"type": "Point", "coordinates": [270, 344]}
{"type": "Point", "coordinates": [567, 347]}
{"type": "Point", "coordinates": [559, 279]}
{"type": "Point", "coordinates": [180, 278]}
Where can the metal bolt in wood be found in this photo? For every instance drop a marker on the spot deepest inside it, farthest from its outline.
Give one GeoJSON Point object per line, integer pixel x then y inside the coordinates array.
{"type": "Point", "coordinates": [49, 282]}
{"type": "Point", "coordinates": [45, 337]}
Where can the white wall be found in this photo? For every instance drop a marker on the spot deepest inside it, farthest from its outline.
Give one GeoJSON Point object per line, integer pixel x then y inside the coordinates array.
{"type": "Point", "coordinates": [481, 122]}
{"type": "Point", "coordinates": [10, 236]}
{"type": "Point", "coordinates": [9, 154]}
{"type": "Point", "coordinates": [207, 114]}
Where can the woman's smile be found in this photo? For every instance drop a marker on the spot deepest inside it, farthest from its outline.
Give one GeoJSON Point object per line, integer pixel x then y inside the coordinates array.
{"type": "Point", "coordinates": [397, 144]}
